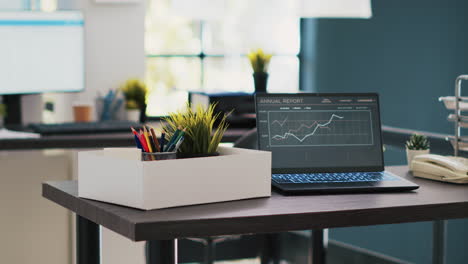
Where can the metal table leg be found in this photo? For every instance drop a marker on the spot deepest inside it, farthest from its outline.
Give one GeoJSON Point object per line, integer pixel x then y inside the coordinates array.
{"type": "Point", "coordinates": [270, 249]}
{"type": "Point", "coordinates": [87, 241]}
{"type": "Point", "coordinates": [210, 253]}
{"type": "Point", "coordinates": [439, 239]}
{"type": "Point", "coordinates": [317, 249]}
{"type": "Point", "coordinates": [161, 252]}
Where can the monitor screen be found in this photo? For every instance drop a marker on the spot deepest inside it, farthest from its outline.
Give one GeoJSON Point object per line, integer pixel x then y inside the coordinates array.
{"type": "Point", "coordinates": [320, 132]}
{"type": "Point", "coordinates": [41, 52]}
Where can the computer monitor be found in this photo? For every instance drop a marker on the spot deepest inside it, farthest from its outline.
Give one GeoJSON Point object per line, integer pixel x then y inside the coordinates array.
{"type": "Point", "coordinates": [40, 52]}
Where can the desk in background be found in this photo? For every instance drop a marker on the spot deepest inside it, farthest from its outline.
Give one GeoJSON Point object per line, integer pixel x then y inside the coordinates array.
{"type": "Point", "coordinates": [264, 215]}
{"type": "Point", "coordinates": [91, 140]}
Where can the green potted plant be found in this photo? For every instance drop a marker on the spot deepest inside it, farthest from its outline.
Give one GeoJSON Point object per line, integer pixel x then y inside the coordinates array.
{"type": "Point", "coordinates": [260, 62]}
{"type": "Point", "coordinates": [416, 145]}
{"type": "Point", "coordinates": [135, 92]}
{"type": "Point", "coordinates": [3, 113]}
{"type": "Point", "coordinates": [201, 137]}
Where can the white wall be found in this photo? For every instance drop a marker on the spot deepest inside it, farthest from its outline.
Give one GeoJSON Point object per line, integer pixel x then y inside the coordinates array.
{"type": "Point", "coordinates": [114, 43]}
{"type": "Point", "coordinates": [117, 249]}
{"type": "Point", "coordinates": [11, 4]}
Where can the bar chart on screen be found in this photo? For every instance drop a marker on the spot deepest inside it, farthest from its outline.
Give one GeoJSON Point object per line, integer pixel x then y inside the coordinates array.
{"type": "Point", "coordinates": [320, 128]}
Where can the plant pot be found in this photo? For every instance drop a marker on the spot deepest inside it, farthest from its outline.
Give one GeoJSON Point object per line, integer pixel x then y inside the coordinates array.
{"type": "Point", "coordinates": [145, 156]}
{"type": "Point", "coordinates": [260, 81]}
{"type": "Point", "coordinates": [133, 115]}
{"type": "Point", "coordinates": [410, 154]}
{"type": "Point", "coordinates": [143, 114]}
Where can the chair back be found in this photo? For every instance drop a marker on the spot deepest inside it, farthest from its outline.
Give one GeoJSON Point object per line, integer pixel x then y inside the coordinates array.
{"type": "Point", "coordinates": [248, 141]}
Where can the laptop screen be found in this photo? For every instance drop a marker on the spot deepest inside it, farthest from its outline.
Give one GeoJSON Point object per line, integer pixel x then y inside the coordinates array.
{"type": "Point", "coordinates": [320, 132]}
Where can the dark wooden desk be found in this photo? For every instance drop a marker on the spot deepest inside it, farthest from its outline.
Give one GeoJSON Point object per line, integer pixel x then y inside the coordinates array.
{"type": "Point", "coordinates": [432, 201]}
{"type": "Point", "coordinates": [91, 140]}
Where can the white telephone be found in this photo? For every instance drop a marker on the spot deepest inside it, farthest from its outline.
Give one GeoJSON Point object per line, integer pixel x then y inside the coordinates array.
{"type": "Point", "coordinates": [441, 168]}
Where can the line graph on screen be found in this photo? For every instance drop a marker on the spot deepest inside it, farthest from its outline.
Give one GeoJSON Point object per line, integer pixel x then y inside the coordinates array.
{"type": "Point", "coordinates": [320, 128]}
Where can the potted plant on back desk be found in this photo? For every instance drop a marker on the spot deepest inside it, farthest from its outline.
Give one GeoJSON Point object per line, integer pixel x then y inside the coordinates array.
{"type": "Point", "coordinates": [260, 61]}
{"type": "Point", "coordinates": [201, 137]}
{"type": "Point", "coordinates": [135, 92]}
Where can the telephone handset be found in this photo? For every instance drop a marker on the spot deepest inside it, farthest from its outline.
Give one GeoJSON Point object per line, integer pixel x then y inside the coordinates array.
{"type": "Point", "coordinates": [441, 168]}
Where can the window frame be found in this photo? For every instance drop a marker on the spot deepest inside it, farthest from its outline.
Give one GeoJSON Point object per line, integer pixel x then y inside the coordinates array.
{"type": "Point", "coordinates": [304, 81]}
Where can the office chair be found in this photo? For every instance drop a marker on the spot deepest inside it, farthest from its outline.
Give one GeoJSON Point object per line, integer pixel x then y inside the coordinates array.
{"type": "Point", "coordinates": [240, 246]}
{"type": "Point", "coordinates": [248, 141]}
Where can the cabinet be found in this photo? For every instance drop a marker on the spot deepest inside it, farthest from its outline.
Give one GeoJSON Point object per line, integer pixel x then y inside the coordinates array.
{"type": "Point", "coordinates": [33, 230]}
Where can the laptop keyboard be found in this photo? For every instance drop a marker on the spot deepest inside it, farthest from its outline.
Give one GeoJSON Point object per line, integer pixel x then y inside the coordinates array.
{"type": "Point", "coordinates": [333, 177]}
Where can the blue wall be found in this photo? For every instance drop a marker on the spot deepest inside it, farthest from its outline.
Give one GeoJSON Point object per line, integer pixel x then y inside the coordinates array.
{"type": "Point", "coordinates": [409, 242]}
{"type": "Point", "coordinates": [410, 52]}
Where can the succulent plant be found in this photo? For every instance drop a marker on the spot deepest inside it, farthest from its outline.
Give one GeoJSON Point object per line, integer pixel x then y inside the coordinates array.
{"type": "Point", "coordinates": [417, 142]}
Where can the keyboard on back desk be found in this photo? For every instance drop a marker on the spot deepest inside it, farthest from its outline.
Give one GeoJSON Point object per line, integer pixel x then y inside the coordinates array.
{"type": "Point", "coordinates": [332, 177]}
{"type": "Point", "coordinates": [84, 127]}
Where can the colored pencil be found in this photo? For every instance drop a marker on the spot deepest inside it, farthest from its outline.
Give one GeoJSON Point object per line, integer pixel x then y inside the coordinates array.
{"type": "Point", "coordinates": [137, 139]}
{"type": "Point", "coordinates": [148, 142]}
{"type": "Point", "coordinates": [143, 141]}
{"type": "Point", "coordinates": [179, 143]}
{"type": "Point", "coordinates": [172, 146]}
{"type": "Point", "coordinates": [172, 139]}
{"type": "Point", "coordinates": [155, 139]}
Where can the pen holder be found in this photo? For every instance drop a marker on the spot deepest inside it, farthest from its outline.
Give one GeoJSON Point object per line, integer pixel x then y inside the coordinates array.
{"type": "Point", "coordinates": [148, 156]}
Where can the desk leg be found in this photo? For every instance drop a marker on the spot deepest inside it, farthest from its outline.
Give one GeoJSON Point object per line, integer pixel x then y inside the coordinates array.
{"type": "Point", "coordinates": [317, 249]}
{"type": "Point", "coordinates": [270, 253]}
{"type": "Point", "coordinates": [161, 252]}
{"type": "Point", "coordinates": [87, 241]}
{"type": "Point", "coordinates": [210, 253]}
{"type": "Point", "coordinates": [439, 241]}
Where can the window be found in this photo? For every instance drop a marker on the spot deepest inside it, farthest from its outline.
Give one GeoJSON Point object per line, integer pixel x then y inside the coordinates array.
{"type": "Point", "coordinates": [189, 55]}
{"type": "Point", "coordinates": [48, 5]}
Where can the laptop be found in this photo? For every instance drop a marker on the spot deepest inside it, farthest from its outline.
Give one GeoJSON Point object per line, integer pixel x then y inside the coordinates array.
{"type": "Point", "coordinates": [324, 143]}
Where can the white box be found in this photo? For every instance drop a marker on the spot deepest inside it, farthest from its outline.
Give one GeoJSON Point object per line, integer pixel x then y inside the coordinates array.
{"type": "Point", "coordinates": [118, 176]}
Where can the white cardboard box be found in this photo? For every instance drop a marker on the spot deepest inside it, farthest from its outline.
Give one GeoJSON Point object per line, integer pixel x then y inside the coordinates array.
{"type": "Point", "coordinates": [118, 176]}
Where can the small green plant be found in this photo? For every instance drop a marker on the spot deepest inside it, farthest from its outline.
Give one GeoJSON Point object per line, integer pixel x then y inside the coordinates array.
{"type": "Point", "coordinates": [200, 138]}
{"type": "Point", "coordinates": [259, 60]}
{"type": "Point", "coordinates": [417, 142]}
{"type": "Point", "coordinates": [3, 110]}
{"type": "Point", "coordinates": [135, 92]}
